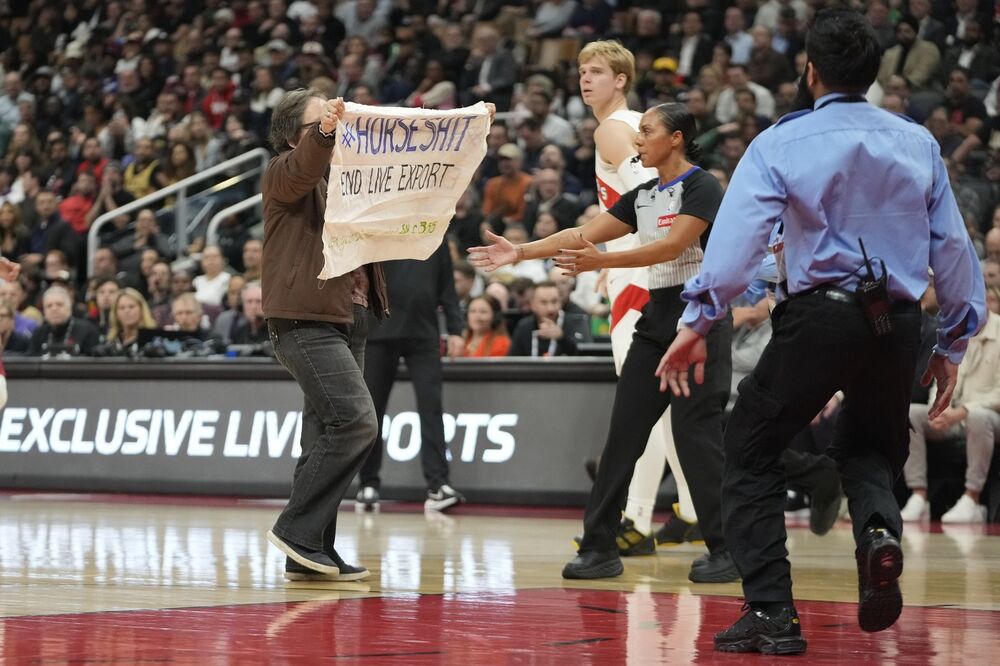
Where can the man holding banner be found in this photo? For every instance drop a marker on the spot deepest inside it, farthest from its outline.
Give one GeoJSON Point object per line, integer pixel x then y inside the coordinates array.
{"type": "Point", "coordinates": [318, 284]}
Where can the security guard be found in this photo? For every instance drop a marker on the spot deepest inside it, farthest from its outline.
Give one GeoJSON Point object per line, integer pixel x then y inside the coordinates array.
{"type": "Point", "coordinates": [835, 176]}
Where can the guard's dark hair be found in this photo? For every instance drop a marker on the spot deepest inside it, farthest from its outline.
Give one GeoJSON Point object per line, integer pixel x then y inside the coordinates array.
{"type": "Point", "coordinates": [843, 47]}
{"type": "Point", "coordinates": [677, 118]}
{"type": "Point", "coordinates": [286, 121]}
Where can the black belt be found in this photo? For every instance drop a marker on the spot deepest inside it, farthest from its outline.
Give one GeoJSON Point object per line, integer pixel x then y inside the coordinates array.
{"type": "Point", "coordinates": [841, 295]}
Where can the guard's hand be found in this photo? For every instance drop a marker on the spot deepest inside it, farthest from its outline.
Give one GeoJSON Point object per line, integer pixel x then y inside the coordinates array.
{"type": "Point", "coordinates": [456, 346]}
{"type": "Point", "coordinates": [945, 373]}
{"type": "Point", "coordinates": [549, 330]}
{"type": "Point", "coordinates": [574, 262]}
{"type": "Point", "coordinates": [688, 349]}
{"type": "Point", "coordinates": [9, 270]}
{"type": "Point", "coordinates": [492, 257]}
{"type": "Point", "coordinates": [333, 111]}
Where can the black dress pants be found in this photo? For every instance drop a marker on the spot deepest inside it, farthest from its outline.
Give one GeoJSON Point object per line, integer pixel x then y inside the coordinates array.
{"type": "Point", "coordinates": [423, 361]}
{"type": "Point", "coordinates": [696, 422]}
{"type": "Point", "coordinates": [819, 346]}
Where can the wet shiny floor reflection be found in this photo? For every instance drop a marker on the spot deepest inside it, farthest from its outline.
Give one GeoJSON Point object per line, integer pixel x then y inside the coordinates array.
{"type": "Point", "coordinates": [445, 589]}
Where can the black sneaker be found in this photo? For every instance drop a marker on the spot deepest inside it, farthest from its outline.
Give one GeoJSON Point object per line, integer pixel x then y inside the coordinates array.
{"type": "Point", "coordinates": [880, 563]}
{"type": "Point", "coordinates": [716, 567]}
{"type": "Point", "coordinates": [632, 542]}
{"type": "Point", "coordinates": [296, 572]}
{"type": "Point", "coordinates": [593, 565]}
{"type": "Point", "coordinates": [442, 499]}
{"type": "Point", "coordinates": [767, 633]}
{"type": "Point", "coordinates": [676, 531]}
{"type": "Point", "coordinates": [314, 560]}
{"type": "Point", "coordinates": [368, 498]}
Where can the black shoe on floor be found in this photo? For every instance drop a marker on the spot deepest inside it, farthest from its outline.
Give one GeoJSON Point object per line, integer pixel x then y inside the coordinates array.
{"type": "Point", "coordinates": [593, 565]}
{"type": "Point", "coordinates": [767, 633]}
{"type": "Point", "coordinates": [314, 560]}
{"type": "Point", "coordinates": [880, 563]}
{"type": "Point", "coordinates": [348, 572]}
{"type": "Point", "coordinates": [716, 567]}
{"type": "Point", "coordinates": [632, 542]}
{"type": "Point", "coordinates": [442, 499]}
{"type": "Point", "coordinates": [676, 531]}
{"type": "Point", "coordinates": [825, 496]}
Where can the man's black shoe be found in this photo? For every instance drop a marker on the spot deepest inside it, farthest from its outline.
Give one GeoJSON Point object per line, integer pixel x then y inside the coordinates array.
{"type": "Point", "coordinates": [348, 572]}
{"type": "Point", "coordinates": [880, 563]}
{"type": "Point", "coordinates": [826, 494]}
{"type": "Point", "coordinates": [593, 565]}
{"type": "Point", "coordinates": [632, 542]}
{"type": "Point", "coordinates": [315, 560]}
{"type": "Point", "coordinates": [767, 633]}
{"type": "Point", "coordinates": [716, 567]}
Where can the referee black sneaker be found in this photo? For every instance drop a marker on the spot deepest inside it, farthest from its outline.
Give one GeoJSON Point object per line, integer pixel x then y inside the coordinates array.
{"type": "Point", "coordinates": [775, 632]}
{"type": "Point", "coordinates": [589, 565]}
{"type": "Point", "coordinates": [443, 498]}
{"type": "Point", "coordinates": [880, 564]}
{"type": "Point", "coordinates": [368, 498]}
{"type": "Point", "coordinates": [714, 567]}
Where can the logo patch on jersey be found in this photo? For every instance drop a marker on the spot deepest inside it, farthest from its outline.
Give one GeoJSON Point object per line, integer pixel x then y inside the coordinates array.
{"type": "Point", "coordinates": [609, 197]}
{"type": "Point", "coordinates": [666, 220]}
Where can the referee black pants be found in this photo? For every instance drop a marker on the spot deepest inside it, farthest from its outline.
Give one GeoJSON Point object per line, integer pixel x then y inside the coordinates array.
{"type": "Point", "coordinates": [696, 422]}
{"type": "Point", "coordinates": [819, 346]}
{"type": "Point", "coordinates": [423, 362]}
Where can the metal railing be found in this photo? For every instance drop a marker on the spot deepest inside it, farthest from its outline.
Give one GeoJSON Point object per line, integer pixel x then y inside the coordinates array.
{"type": "Point", "coordinates": [180, 189]}
{"type": "Point", "coordinates": [212, 232]}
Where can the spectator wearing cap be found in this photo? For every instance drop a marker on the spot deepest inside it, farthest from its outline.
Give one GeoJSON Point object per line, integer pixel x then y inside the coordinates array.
{"type": "Point", "coordinates": [503, 196]}
{"type": "Point", "coordinates": [131, 50]}
{"type": "Point", "coordinates": [312, 61]}
{"type": "Point", "coordinates": [913, 58]}
{"type": "Point", "coordinates": [281, 63]}
{"type": "Point", "coordinates": [659, 84]}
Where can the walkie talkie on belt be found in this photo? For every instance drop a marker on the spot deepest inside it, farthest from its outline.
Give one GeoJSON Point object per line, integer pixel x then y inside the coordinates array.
{"type": "Point", "coordinates": [873, 295]}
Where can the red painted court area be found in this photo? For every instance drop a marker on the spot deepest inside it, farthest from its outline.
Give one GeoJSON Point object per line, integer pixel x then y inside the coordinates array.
{"type": "Point", "coordinates": [545, 626]}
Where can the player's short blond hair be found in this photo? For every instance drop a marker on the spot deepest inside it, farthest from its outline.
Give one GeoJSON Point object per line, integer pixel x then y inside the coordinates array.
{"type": "Point", "coordinates": [619, 58]}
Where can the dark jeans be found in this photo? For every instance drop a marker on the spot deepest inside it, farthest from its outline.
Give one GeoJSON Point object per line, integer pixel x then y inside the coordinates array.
{"type": "Point", "coordinates": [696, 422]}
{"type": "Point", "coordinates": [338, 421]}
{"type": "Point", "coordinates": [819, 346]}
{"type": "Point", "coordinates": [423, 360]}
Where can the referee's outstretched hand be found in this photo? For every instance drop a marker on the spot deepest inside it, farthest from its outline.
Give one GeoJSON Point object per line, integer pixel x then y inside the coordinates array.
{"type": "Point", "coordinates": [945, 373]}
{"type": "Point", "coordinates": [688, 349]}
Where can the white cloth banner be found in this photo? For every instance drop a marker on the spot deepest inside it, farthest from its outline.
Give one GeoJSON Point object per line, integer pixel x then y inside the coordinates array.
{"type": "Point", "coordinates": [395, 177]}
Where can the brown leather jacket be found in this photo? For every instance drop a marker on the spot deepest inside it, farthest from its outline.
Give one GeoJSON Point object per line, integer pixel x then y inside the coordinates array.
{"type": "Point", "coordinates": [294, 188]}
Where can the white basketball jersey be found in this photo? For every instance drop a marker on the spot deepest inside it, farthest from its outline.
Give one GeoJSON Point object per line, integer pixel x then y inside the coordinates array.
{"type": "Point", "coordinates": [610, 188]}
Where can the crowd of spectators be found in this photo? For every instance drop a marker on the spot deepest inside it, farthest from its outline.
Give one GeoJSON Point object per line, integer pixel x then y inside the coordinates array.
{"type": "Point", "coordinates": [104, 103]}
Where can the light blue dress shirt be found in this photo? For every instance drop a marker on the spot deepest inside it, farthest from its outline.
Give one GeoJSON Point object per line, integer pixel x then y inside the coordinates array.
{"type": "Point", "coordinates": [841, 172]}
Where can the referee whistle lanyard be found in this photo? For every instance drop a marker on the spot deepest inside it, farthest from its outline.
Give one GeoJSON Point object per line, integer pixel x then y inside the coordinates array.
{"type": "Point", "coordinates": [552, 343]}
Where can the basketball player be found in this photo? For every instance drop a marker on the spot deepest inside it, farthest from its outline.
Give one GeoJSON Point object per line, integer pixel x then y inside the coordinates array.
{"type": "Point", "coordinates": [607, 70]}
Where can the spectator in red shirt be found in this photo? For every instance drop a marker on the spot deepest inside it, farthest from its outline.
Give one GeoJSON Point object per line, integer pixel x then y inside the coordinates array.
{"type": "Point", "coordinates": [219, 100]}
{"type": "Point", "coordinates": [75, 207]}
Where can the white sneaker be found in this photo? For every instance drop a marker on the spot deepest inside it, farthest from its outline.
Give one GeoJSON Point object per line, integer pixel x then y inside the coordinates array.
{"type": "Point", "coordinates": [916, 508]}
{"type": "Point", "coordinates": [966, 510]}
